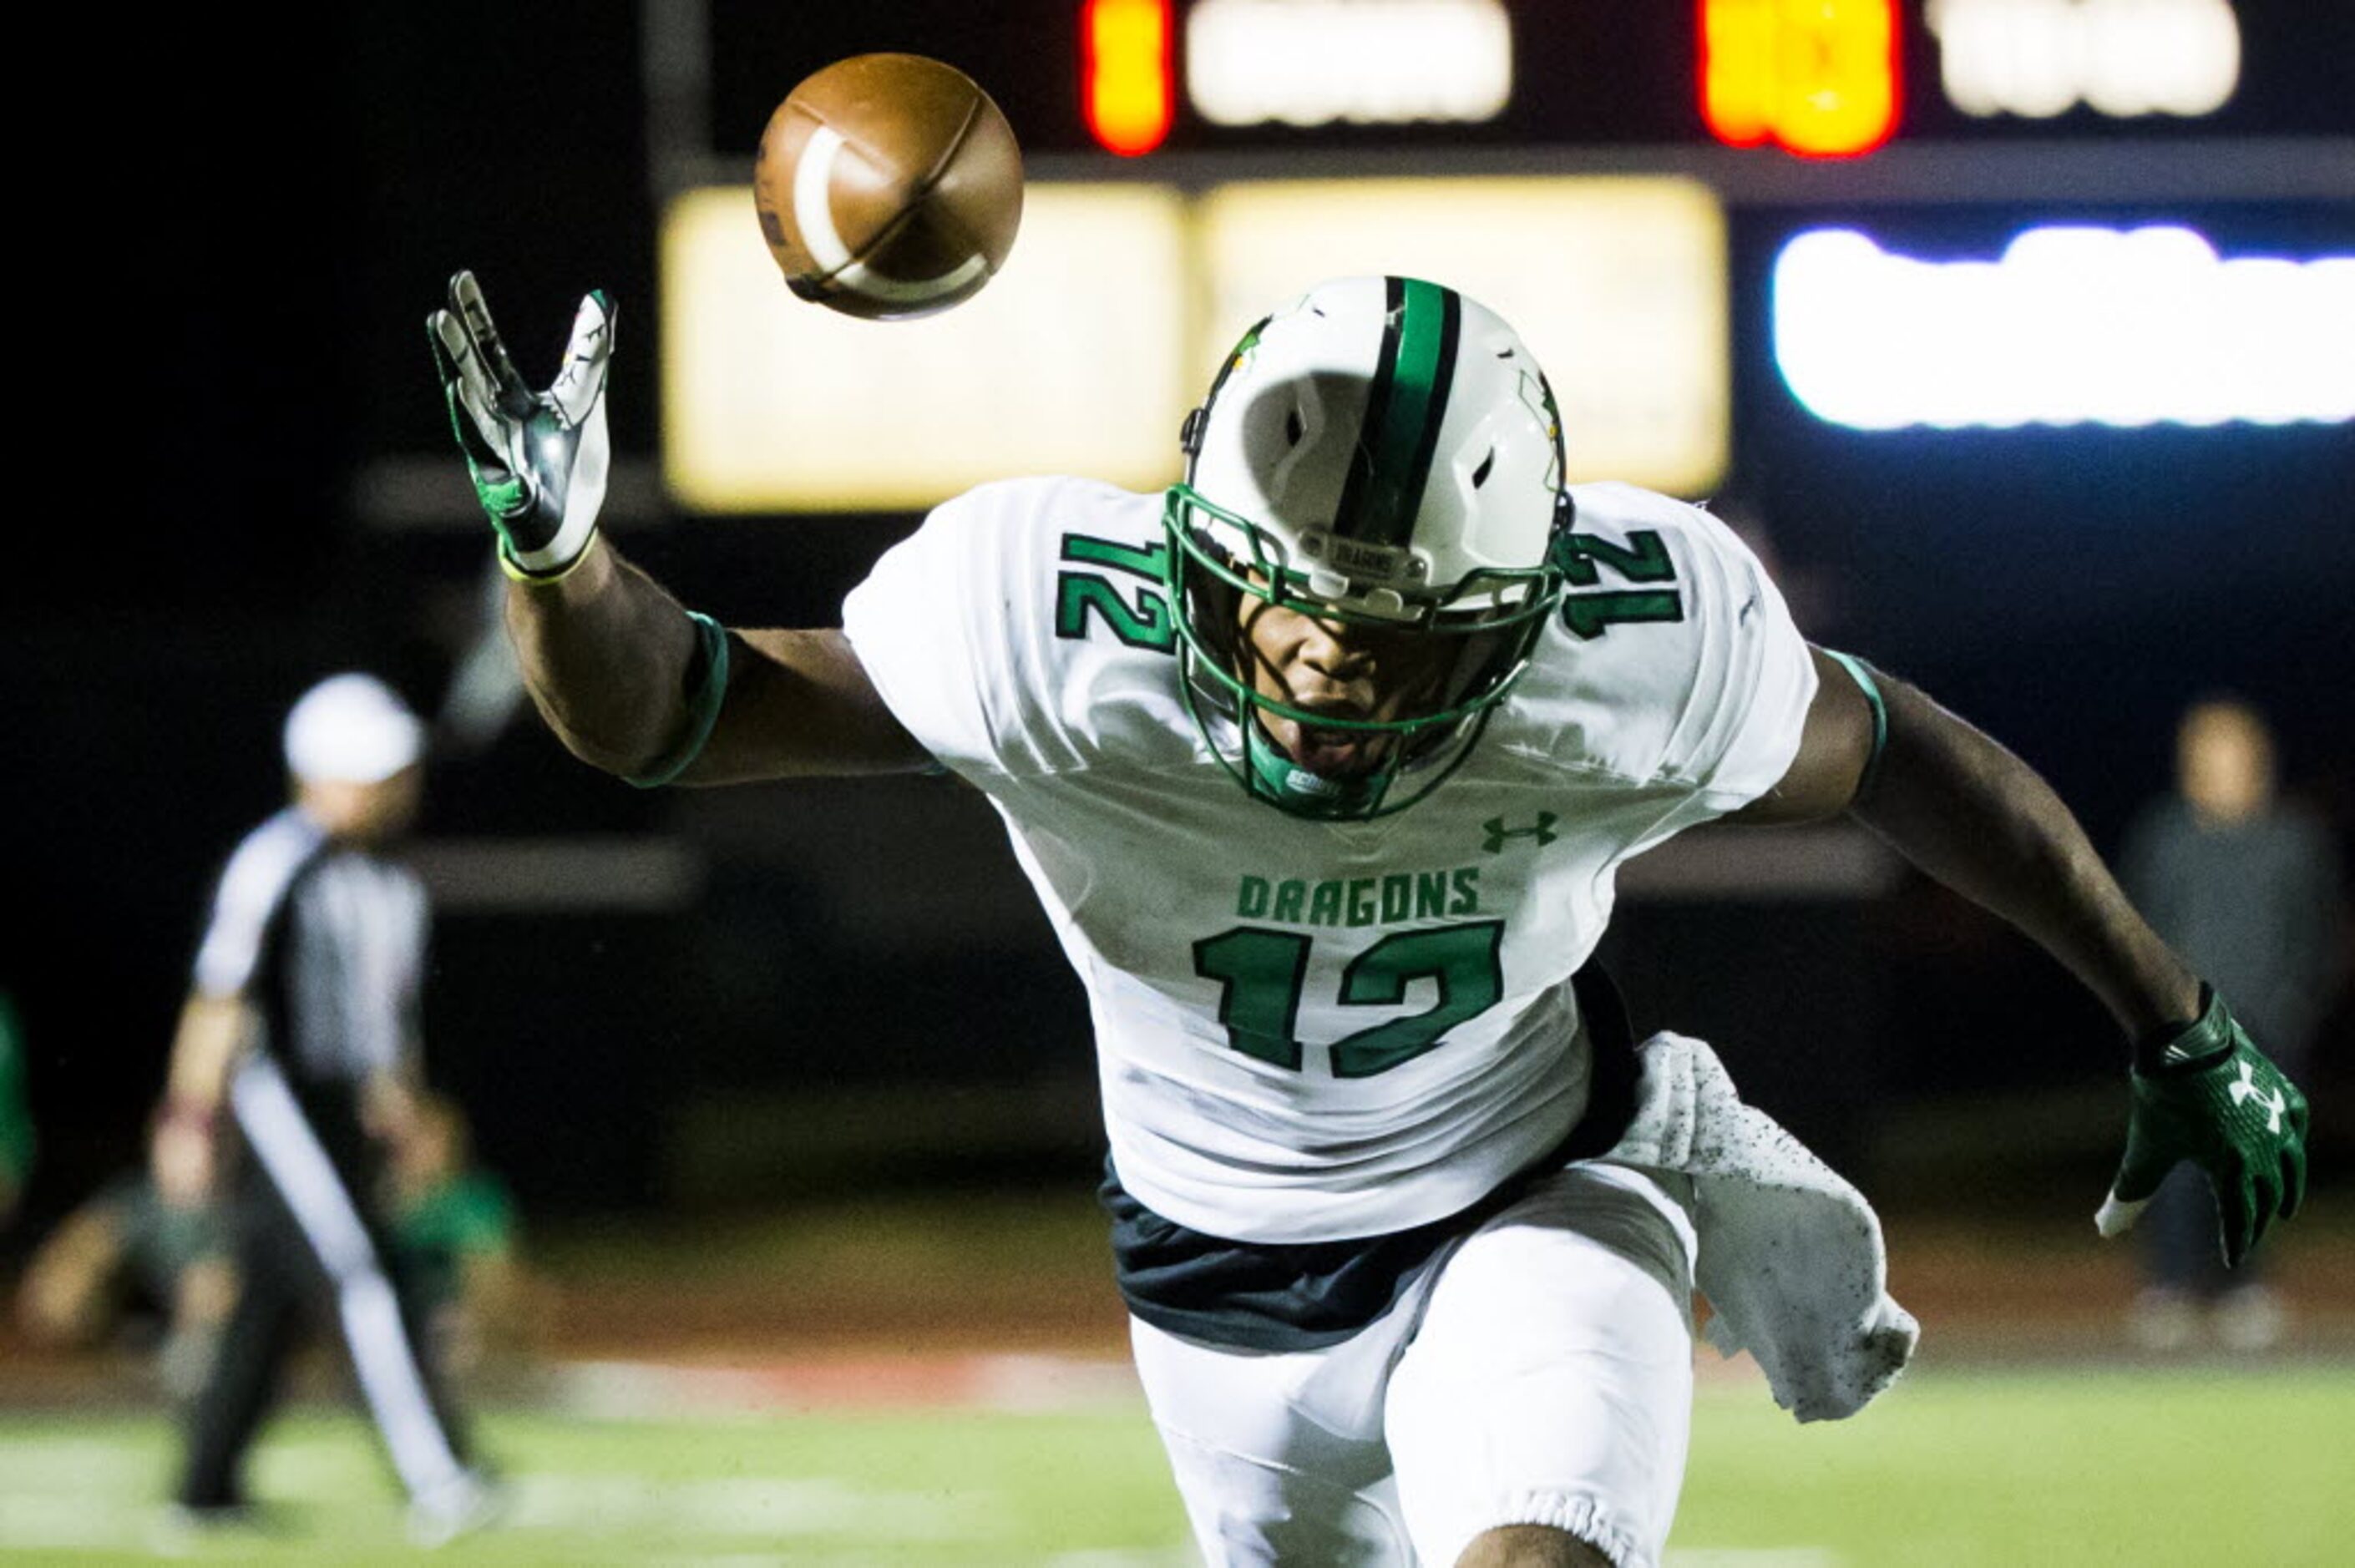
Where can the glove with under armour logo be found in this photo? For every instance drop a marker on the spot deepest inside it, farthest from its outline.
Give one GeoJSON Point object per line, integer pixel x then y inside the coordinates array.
{"type": "Point", "coordinates": [539, 460]}
{"type": "Point", "coordinates": [2208, 1095]}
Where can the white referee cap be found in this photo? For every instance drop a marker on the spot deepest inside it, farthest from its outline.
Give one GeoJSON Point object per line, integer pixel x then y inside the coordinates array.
{"type": "Point", "coordinates": [352, 728]}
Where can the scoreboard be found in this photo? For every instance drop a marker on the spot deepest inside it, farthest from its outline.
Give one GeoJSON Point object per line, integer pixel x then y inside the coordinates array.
{"type": "Point", "coordinates": [1711, 219]}
{"type": "Point", "coordinates": [1830, 76]}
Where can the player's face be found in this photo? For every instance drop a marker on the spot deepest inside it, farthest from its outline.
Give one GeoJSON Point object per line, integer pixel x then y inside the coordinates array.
{"type": "Point", "coordinates": [1347, 669]}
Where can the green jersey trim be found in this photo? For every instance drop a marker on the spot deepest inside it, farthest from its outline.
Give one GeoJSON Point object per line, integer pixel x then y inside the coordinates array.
{"type": "Point", "coordinates": [1861, 672]}
{"type": "Point", "coordinates": [707, 672]}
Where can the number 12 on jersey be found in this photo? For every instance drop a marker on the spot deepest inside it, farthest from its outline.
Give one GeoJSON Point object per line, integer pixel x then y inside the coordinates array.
{"type": "Point", "coordinates": [1148, 624]}
{"type": "Point", "coordinates": [1643, 558]}
{"type": "Point", "coordinates": [1264, 973]}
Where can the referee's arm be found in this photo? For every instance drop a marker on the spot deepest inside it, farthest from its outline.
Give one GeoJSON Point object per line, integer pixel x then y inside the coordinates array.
{"type": "Point", "coordinates": [213, 1027]}
{"type": "Point", "coordinates": [220, 1016]}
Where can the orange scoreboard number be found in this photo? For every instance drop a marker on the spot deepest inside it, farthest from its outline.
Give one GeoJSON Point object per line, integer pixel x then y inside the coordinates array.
{"type": "Point", "coordinates": [1818, 78]}
{"type": "Point", "coordinates": [1127, 87]}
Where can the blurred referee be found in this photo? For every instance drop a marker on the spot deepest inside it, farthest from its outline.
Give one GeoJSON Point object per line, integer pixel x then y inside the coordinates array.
{"type": "Point", "coordinates": [301, 1034]}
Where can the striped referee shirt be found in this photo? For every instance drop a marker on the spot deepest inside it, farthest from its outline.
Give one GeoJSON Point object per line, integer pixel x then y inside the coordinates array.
{"type": "Point", "coordinates": [326, 940]}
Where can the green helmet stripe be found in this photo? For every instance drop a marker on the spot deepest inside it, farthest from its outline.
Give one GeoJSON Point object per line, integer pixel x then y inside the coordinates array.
{"type": "Point", "coordinates": [1405, 409]}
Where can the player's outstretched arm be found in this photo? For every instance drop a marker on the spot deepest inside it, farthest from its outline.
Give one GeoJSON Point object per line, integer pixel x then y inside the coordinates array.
{"type": "Point", "coordinates": [625, 676]}
{"type": "Point", "coordinates": [1973, 815]}
{"type": "Point", "coordinates": [632, 683]}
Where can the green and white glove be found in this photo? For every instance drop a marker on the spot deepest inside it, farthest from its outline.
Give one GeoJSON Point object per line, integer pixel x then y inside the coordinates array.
{"type": "Point", "coordinates": [539, 460]}
{"type": "Point", "coordinates": [2208, 1095]}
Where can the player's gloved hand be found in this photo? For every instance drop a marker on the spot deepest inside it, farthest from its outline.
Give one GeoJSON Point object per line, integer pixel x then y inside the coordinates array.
{"type": "Point", "coordinates": [539, 459]}
{"type": "Point", "coordinates": [2208, 1095]}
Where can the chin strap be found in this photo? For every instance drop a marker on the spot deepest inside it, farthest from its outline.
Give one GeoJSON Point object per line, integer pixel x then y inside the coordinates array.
{"type": "Point", "coordinates": [1276, 780]}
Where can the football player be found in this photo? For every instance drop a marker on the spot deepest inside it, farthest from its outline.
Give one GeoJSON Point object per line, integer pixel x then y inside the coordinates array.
{"type": "Point", "coordinates": [1322, 765]}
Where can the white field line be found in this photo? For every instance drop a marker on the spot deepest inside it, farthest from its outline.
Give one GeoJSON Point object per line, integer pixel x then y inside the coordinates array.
{"type": "Point", "coordinates": [755, 1508]}
{"type": "Point", "coordinates": [34, 1467]}
{"type": "Point", "coordinates": [79, 1495]}
{"type": "Point", "coordinates": [636, 1390]}
{"type": "Point", "coordinates": [65, 1494]}
{"type": "Point", "coordinates": [1033, 1383]}
{"type": "Point", "coordinates": [59, 1521]}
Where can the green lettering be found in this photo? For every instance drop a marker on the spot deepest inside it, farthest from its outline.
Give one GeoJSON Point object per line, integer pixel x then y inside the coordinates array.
{"type": "Point", "coordinates": [1289, 895]}
{"type": "Point", "coordinates": [1251, 902]}
{"type": "Point", "coordinates": [1468, 892]}
{"type": "Point", "coordinates": [1145, 626]}
{"type": "Point", "coordinates": [1590, 614]}
{"type": "Point", "coordinates": [1324, 905]}
{"type": "Point", "coordinates": [1464, 960]}
{"type": "Point", "coordinates": [1260, 973]}
{"type": "Point", "coordinates": [1430, 895]}
{"type": "Point", "coordinates": [1149, 563]}
{"type": "Point", "coordinates": [1398, 895]}
{"type": "Point", "coordinates": [1643, 558]}
{"type": "Point", "coordinates": [1361, 900]}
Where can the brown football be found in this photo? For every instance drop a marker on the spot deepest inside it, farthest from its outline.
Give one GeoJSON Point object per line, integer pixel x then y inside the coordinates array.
{"type": "Point", "coordinates": [889, 186]}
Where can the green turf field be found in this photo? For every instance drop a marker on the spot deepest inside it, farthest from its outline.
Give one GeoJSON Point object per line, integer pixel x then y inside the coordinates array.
{"type": "Point", "coordinates": [2108, 1466]}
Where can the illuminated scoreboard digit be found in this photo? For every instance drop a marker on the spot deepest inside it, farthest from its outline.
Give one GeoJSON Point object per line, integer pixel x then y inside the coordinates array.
{"type": "Point", "coordinates": [1818, 78]}
{"type": "Point", "coordinates": [1125, 90]}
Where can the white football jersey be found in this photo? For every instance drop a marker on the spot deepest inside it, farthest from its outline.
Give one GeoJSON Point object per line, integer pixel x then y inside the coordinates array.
{"type": "Point", "coordinates": [1313, 1030]}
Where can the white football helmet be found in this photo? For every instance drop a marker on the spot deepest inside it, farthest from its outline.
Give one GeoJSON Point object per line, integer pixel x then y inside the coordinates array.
{"type": "Point", "coordinates": [1383, 456]}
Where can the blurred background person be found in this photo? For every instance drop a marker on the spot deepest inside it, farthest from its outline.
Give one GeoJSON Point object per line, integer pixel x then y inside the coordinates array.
{"type": "Point", "coordinates": [453, 1224]}
{"type": "Point", "coordinates": [144, 1259]}
{"type": "Point", "coordinates": [301, 1035]}
{"type": "Point", "coordinates": [15, 1119]}
{"type": "Point", "coordinates": [2245, 887]}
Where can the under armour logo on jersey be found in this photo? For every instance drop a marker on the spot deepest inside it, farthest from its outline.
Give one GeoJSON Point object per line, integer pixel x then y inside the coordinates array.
{"type": "Point", "coordinates": [1497, 833]}
{"type": "Point", "coordinates": [2274, 1100]}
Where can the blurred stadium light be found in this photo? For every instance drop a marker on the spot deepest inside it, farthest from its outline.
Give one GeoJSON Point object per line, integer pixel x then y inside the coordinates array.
{"type": "Point", "coordinates": [1080, 357]}
{"type": "Point", "coordinates": [2070, 325]}
{"type": "Point", "coordinates": [1071, 361]}
{"type": "Point", "coordinates": [1617, 284]}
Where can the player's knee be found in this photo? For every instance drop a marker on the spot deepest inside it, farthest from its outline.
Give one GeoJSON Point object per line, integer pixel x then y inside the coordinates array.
{"type": "Point", "coordinates": [1531, 1546]}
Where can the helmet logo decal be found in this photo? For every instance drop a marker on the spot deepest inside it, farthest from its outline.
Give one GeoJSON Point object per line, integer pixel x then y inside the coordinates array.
{"type": "Point", "coordinates": [1405, 409]}
{"type": "Point", "coordinates": [1537, 396]}
{"type": "Point", "coordinates": [1189, 434]}
{"type": "Point", "coordinates": [1353, 558]}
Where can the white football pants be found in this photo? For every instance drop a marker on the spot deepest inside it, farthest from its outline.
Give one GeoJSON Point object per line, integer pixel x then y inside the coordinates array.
{"type": "Point", "coordinates": [1537, 1372]}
